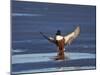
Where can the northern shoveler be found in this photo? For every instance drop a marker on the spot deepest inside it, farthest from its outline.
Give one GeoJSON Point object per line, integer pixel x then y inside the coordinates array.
{"type": "Point", "coordinates": [61, 41]}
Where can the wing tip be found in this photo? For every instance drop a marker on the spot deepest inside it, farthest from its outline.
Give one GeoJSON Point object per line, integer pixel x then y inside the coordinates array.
{"type": "Point", "coordinates": [77, 30]}
{"type": "Point", "coordinates": [78, 27]}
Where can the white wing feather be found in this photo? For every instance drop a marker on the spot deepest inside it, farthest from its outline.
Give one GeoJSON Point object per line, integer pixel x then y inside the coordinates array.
{"type": "Point", "coordinates": [51, 39]}
{"type": "Point", "coordinates": [70, 37]}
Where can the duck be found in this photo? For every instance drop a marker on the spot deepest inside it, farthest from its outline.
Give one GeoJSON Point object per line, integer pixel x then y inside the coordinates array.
{"type": "Point", "coordinates": [61, 41]}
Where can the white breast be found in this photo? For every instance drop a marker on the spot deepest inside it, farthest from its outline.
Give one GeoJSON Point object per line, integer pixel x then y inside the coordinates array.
{"type": "Point", "coordinates": [59, 37]}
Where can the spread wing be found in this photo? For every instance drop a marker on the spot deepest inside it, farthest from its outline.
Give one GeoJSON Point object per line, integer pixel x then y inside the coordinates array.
{"type": "Point", "coordinates": [73, 35]}
{"type": "Point", "coordinates": [48, 38]}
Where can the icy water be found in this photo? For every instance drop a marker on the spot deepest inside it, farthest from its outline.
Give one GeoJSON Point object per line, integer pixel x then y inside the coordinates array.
{"type": "Point", "coordinates": [31, 53]}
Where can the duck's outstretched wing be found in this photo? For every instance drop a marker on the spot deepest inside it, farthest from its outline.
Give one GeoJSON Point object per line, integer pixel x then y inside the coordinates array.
{"type": "Point", "coordinates": [48, 38]}
{"type": "Point", "coordinates": [70, 37]}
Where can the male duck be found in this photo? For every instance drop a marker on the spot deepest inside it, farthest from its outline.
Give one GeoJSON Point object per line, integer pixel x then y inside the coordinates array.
{"type": "Point", "coordinates": [60, 41]}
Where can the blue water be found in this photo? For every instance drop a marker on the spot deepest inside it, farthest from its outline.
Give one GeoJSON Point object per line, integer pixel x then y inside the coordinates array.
{"type": "Point", "coordinates": [30, 18]}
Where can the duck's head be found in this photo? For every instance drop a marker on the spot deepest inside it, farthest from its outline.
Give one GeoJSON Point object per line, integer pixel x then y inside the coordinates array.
{"type": "Point", "coordinates": [58, 35]}
{"type": "Point", "coordinates": [58, 32]}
